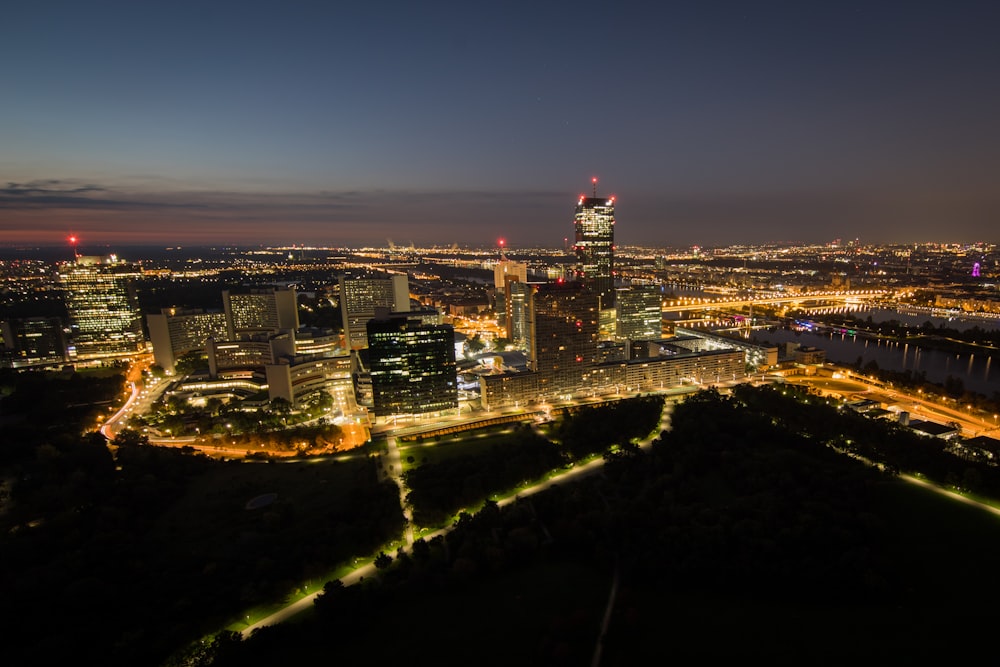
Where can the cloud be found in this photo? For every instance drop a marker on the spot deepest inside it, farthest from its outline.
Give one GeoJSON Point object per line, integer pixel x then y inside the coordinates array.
{"type": "Point", "coordinates": [45, 210]}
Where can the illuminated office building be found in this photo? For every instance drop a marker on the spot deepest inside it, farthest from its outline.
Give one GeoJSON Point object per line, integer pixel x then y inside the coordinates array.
{"type": "Point", "coordinates": [177, 331]}
{"type": "Point", "coordinates": [251, 352]}
{"type": "Point", "coordinates": [506, 274]}
{"type": "Point", "coordinates": [32, 341]}
{"type": "Point", "coordinates": [260, 310]}
{"type": "Point", "coordinates": [519, 307]}
{"type": "Point", "coordinates": [103, 309]}
{"type": "Point", "coordinates": [639, 313]}
{"type": "Point", "coordinates": [506, 270]}
{"type": "Point", "coordinates": [563, 336]}
{"type": "Point", "coordinates": [412, 366]}
{"type": "Point", "coordinates": [594, 223]}
{"type": "Point", "coordinates": [291, 377]}
{"type": "Point", "coordinates": [364, 297]}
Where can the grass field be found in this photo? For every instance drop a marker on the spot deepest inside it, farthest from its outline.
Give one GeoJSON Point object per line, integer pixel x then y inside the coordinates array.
{"type": "Point", "coordinates": [468, 443]}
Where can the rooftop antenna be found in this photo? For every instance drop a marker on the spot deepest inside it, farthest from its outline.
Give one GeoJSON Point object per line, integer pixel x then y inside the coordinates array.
{"type": "Point", "coordinates": [595, 186]}
{"type": "Point", "coordinates": [73, 240]}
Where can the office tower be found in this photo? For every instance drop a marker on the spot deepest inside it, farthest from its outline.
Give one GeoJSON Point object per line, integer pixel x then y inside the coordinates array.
{"type": "Point", "coordinates": [260, 310]}
{"type": "Point", "coordinates": [505, 274]}
{"type": "Point", "coordinates": [508, 269]}
{"type": "Point", "coordinates": [518, 329]}
{"type": "Point", "coordinates": [595, 243]}
{"type": "Point", "coordinates": [563, 335]}
{"type": "Point", "coordinates": [177, 331]}
{"type": "Point", "coordinates": [412, 366]}
{"type": "Point", "coordinates": [32, 341]}
{"type": "Point", "coordinates": [102, 305]}
{"type": "Point", "coordinates": [363, 297]}
{"type": "Point", "coordinates": [639, 313]}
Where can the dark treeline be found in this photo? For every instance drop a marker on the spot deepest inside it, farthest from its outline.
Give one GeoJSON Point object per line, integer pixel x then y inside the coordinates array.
{"type": "Point", "coordinates": [592, 429]}
{"type": "Point", "coordinates": [120, 558]}
{"type": "Point", "coordinates": [740, 533]}
{"type": "Point", "coordinates": [439, 490]}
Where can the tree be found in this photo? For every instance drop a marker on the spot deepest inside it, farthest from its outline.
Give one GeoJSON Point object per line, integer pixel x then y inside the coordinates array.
{"type": "Point", "coordinates": [475, 345]}
{"type": "Point", "coordinates": [382, 561]}
{"type": "Point", "coordinates": [129, 438]}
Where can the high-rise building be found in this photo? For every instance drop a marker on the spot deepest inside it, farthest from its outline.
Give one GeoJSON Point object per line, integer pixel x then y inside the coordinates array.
{"type": "Point", "coordinates": [505, 274]}
{"type": "Point", "coordinates": [412, 366]}
{"type": "Point", "coordinates": [506, 269]}
{"type": "Point", "coordinates": [32, 341]}
{"type": "Point", "coordinates": [103, 309]}
{"type": "Point", "coordinates": [260, 310]}
{"type": "Point", "coordinates": [363, 297]}
{"type": "Point", "coordinates": [519, 307]}
{"type": "Point", "coordinates": [563, 336]}
{"type": "Point", "coordinates": [595, 243]}
{"type": "Point", "coordinates": [177, 331]}
{"type": "Point", "coordinates": [639, 313]}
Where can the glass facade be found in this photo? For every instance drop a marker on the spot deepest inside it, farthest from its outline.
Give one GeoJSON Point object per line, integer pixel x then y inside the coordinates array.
{"type": "Point", "coordinates": [564, 336]}
{"type": "Point", "coordinates": [639, 313]}
{"type": "Point", "coordinates": [595, 242]}
{"type": "Point", "coordinates": [103, 309]}
{"type": "Point", "coordinates": [412, 366]}
{"type": "Point", "coordinates": [362, 297]}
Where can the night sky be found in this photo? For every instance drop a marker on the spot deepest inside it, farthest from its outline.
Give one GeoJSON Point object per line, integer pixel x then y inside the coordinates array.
{"type": "Point", "coordinates": [348, 124]}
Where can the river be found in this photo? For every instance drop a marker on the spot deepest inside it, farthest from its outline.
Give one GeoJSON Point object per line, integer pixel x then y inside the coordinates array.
{"type": "Point", "coordinates": [977, 371]}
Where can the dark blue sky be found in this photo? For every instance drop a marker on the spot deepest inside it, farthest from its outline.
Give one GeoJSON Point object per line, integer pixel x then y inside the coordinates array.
{"type": "Point", "coordinates": [334, 124]}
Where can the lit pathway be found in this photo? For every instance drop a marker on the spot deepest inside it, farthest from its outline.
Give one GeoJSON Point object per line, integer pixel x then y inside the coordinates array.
{"type": "Point", "coordinates": [949, 494]}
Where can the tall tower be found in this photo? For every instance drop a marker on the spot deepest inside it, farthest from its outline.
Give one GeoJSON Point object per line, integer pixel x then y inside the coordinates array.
{"type": "Point", "coordinates": [595, 244]}
{"type": "Point", "coordinates": [506, 274]}
{"type": "Point", "coordinates": [412, 365]}
{"type": "Point", "coordinates": [563, 336]}
{"type": "Point", "coordinates": [103, 308]}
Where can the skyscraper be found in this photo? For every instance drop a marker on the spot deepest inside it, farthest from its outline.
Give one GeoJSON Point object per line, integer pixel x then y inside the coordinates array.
{"type": "Point", "coordinates": [563, 336]}
{"type": "Point", "coordinates": [595, 243]}
{"type": "Point", "coordinates": [102, 305]}
{"type": "Point", "coordinates": [412, 365]}
{"type": "Point", "coordinates": [639, 313]}
{"type": "Point", "coordinates": [506, 274]}
{"type": "Point", "coordinates": [361, 297]}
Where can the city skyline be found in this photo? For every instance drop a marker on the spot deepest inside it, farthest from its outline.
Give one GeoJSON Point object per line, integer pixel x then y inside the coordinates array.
{"type": "Point", "coordinates": [352, 126]}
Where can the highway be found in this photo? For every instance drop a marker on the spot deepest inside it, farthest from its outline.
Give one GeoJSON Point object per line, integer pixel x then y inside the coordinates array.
{"type": "Point", "coordinates": [916, 404]}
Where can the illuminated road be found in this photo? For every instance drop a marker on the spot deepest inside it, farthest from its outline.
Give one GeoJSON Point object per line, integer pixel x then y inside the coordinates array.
{"type": "Point", "coordinates": [949, 494]}
{"type": "Point", "coordinates": [394, 471]}
{"type": "Point", "coordinates": [723, 303]}
{"type": "Point", "coordinates": [107, 430]}
{"type": "Point", "coordinates": [915, 404]}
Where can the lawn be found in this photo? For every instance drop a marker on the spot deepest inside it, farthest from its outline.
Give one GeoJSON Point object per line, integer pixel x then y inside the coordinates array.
{"type": "Point", "coordinates": [470, 443]}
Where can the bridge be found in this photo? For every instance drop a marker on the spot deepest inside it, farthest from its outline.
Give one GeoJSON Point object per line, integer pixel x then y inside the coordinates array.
{"type": "Point", "coordinates": [725, 302]}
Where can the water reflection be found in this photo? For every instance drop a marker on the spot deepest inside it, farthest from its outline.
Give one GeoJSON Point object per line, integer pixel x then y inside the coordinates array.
{"type": "Point", "coordinates": [975, 371]}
